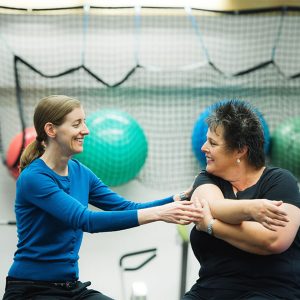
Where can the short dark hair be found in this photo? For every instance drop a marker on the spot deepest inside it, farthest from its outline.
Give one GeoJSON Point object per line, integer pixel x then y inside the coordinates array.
{"type": "Point", "coordinates": [242, 127]}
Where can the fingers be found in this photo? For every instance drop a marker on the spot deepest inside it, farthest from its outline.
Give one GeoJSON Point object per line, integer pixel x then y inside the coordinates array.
{"type": "Point", "coordinates": [276, 222]}
{"type": "Point", "coordinates": [197, 203]}
{"type": "Point", "coordinates": [268, 226]}
{"type": "Point", "coordinates": [190, 213]}
{"type": "Point", "coordinates": [280, 218]}
{"type": "Point", "coordinates": [183, 222]}
{"type": "Point", "coordinates": [271, 224]}
{"type": "Point", "coordinates": [277, 214]}
{"type": "Point", "coordinates": [191, 216]}
{"type": "Point", "coordinates": [277, 211]}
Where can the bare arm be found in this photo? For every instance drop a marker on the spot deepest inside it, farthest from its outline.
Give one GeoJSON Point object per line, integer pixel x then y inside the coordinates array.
{"type": "Point", "coordinates": [267, 212]}
{"type": "Point", "coordinates": [252, 236]}
{"type": "Point", "coordinates": [255, 238]}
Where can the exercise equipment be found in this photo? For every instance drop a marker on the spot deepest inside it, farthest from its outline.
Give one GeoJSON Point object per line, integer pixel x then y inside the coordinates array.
{"type": "Point", "coordinates": [200, 130]}
{"type": "Point", "coordinates": [139, 289]}
{"type": "Point", "coordinates": [184, 235]}
{"type": "Point", "coordinates": [16, 146]}
{"type": "Point", "coordinates": [116, 148]}
{"type": "Point", "coordinates": [5, 222]}
{"type": "Point", "coordinates": [285, 146]}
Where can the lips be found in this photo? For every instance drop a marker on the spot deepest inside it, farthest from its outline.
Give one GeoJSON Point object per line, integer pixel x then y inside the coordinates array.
{"type": "Point", "coordinates": [80, 140]}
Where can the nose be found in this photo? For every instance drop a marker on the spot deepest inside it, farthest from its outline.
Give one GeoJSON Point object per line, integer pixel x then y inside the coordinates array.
{"type": "Point", "coordinates": [85, 130]}
{"type": "Point", "coordinates": [204, 147]}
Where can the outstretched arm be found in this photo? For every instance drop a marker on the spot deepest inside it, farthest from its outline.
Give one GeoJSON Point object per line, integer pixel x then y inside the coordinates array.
{"type": "Point", "coordinates": [179, 212]}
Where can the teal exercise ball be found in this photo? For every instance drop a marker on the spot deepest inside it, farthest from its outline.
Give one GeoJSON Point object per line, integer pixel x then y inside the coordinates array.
{"type": "Point", "coordinates": [285, 146]}
{"type": "Point", "coordinates": [116, 148]}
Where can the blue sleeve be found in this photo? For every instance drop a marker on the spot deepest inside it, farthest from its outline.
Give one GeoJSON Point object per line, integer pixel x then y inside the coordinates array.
{"type": "Point", "coordinates": [42, 191]}
{"type": "Point", "coordinates": [102, 197]}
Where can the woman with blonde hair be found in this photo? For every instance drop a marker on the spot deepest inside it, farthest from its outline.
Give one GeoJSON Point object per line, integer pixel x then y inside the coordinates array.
{"type": "Point", "coordinates": [52, 197]}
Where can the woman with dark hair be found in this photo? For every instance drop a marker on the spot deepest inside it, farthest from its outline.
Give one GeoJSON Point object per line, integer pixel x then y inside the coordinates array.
{"type": "Point", "coordinates": [243, 251]}
{"type": "Point", "coordinates": [51, 205]}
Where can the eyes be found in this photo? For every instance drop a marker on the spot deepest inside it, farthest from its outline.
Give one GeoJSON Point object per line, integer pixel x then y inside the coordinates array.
{"type": "Point", "coordinates": [211, 142]}
{"type": "Point", "coordinates": [78, 123]}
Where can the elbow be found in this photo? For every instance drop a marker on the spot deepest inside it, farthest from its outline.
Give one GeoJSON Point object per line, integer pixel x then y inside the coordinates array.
{"type": "Point", "coordinates": [276, 246]}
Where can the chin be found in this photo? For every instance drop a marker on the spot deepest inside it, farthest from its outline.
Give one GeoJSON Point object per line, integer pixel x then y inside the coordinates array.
{"type": "Point", "coordinates": [77, 151]}
{"type": "Point", "coordinates": [209, 169]}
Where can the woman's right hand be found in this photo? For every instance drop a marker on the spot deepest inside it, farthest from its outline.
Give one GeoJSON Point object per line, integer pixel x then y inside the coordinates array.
{"type": "Point", "coordinates": [178, 212]}
{"type": "Point", "coordinates": [269, 213]}
{"type": "Point", "coordinates": [183, 212]}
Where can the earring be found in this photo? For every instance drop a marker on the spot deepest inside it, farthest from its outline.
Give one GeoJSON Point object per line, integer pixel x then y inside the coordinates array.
{"type": "Point", "coordinates": [238, 160]}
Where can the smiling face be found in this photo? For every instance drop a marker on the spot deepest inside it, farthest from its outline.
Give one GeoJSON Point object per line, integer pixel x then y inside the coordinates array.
{"type": "Point", "coordinates": [219, 159]}
{"type": "Point", "coordinates": [70, 134]}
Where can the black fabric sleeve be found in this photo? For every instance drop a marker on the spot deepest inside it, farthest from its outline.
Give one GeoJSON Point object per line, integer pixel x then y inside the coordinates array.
{"type": "Point", "coordinates": [282, 185]}
{"type": "Point", "coordinates": [202, 178]}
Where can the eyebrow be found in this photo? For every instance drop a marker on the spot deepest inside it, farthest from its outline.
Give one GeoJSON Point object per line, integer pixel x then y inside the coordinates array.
{"type": "Point", "coordinates": [76, 121]}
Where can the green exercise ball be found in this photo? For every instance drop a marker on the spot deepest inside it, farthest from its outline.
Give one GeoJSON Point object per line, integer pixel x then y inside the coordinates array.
{"type": "Point", "coordinates": [285, 146]}
{"type": "Point", "coordinates": [116, 148]}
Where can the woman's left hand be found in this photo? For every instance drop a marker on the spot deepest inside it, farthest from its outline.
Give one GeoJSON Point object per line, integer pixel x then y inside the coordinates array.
{"type": "Point", "coordinates": [269, 213]}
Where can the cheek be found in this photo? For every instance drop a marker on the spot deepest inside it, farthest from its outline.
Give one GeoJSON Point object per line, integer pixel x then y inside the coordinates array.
{"type": "Point", "coordinates": [220, 156]}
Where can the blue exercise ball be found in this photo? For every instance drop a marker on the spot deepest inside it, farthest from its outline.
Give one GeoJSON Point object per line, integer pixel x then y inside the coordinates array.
{"type": "Point", "coordinates": [199, 135]}
{"type": "Point", "coordinates": [200, 131]}
{"type": "Point", "coordinates": [116, 148]}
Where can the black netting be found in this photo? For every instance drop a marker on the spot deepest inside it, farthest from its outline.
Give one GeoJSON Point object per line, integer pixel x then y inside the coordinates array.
{"type": "Point", "coordinates": [162, 67]}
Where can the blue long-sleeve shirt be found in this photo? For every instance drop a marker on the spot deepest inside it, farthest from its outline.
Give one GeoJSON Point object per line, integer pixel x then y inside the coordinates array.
{"type": "Point", "coordinates": [52, 214]}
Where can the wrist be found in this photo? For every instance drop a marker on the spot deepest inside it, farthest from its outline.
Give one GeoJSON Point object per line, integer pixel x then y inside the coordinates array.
{"type": "Point", "coordinates": [148, 215]}
{"type": "Point", "coordinates": [181, 197]}
{"type": "Point", "coordinates": [249, 209]}
{"type": "Point", "coordinates": [209, 228]}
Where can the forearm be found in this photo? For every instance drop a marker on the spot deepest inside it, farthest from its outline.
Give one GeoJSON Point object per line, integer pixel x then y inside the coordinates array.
{"type": "Point", "coordinates": [252, 236]}
{"type": "Point", "coordinates": [231, 211]}
{"type": "Point", "coordinates": [148, 215]}
{"type": "Point", "coordinates": [248, 236]}
{"type": "Point", "coordinates": [226, 210]}
{"type": "Point", "coordinates": [234, 211]}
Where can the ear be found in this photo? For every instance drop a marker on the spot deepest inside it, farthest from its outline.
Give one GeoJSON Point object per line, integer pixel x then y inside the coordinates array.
{"type": "Point", "coordinates": [242, 152]}
{"type": "Point", "coordinates": [50, 130]}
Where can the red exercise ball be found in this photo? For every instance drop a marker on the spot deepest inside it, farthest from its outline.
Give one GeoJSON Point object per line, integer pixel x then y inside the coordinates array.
{"type": "Point", "coordinates": [13, 151]}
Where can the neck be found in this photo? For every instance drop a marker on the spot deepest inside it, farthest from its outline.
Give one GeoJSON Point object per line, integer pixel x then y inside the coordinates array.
{"type": "Point", "coordinates": [246, 178]}
{"type": "Point", "coordinates": [57, 163]}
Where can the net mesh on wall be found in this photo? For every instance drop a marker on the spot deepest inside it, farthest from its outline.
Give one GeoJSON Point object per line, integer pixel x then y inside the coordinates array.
{"type": "Point", "coordinates": [162, 66]}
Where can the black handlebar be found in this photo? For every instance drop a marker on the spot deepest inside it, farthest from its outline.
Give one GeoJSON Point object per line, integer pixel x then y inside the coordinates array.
{"type": "Point", "coordinates": [152, 250]}
{"type": "Point", "coordinates": [8, 222]}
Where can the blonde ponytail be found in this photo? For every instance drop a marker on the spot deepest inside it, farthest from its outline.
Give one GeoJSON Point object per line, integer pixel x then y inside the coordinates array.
{"type": "Point", "coordinates": [34, 150]}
